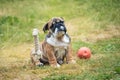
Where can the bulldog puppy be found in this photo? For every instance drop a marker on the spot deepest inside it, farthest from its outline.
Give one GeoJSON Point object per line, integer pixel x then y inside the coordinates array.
{"type": "Point", "coordinates": [56, 48]}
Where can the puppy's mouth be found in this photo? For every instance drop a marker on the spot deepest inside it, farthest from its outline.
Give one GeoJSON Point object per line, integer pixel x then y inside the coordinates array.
{"type": "Point", "coordinates": [60, 34]}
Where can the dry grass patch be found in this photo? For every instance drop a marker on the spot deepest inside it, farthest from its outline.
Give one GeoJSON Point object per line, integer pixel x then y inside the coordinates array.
{"type": "Point", "coordinates": [88, 31]}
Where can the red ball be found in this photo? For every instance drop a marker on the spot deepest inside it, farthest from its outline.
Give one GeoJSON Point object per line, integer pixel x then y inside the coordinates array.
{"type": "Point", "coordinates": [84, 53]}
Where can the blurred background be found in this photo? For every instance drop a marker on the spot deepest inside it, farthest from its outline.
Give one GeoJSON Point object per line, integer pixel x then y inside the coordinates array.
{"type": "Point", "coordinates": [19, 17]}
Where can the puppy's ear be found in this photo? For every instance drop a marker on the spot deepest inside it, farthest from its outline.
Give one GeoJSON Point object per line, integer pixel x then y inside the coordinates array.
{"type": "Point", "coordinates": [62, 18]}
{"type": "Point", "coordinates": [45, 28]}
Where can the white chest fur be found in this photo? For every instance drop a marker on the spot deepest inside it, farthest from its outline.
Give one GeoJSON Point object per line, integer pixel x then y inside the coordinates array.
{"type": "Point", "coordinates": [54, 42]}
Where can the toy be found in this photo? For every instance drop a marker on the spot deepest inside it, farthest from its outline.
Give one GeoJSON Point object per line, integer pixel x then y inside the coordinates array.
{"type": "Point", "coordinates": [84, 53]}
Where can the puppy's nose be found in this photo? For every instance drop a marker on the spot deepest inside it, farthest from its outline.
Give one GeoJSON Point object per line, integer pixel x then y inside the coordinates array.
{"type": "Point", "coordinates": [62, 28]}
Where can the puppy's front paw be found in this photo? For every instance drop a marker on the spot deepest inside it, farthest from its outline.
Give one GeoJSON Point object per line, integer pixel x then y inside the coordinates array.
{"type": "Point", "coordinates": [72, 62]}
{"type": "Point", "coordinates": [56, 65]}
{"type": "Point", "coordinates": [39, 64]}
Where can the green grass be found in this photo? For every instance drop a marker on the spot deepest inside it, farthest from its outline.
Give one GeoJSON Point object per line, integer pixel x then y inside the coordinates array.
{"type": "Point", "coordinates": [91, 23]}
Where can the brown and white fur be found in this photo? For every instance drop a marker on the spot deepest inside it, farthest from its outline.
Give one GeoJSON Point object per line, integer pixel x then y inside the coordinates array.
{"type": "Point", "coordinates": [56, 48]}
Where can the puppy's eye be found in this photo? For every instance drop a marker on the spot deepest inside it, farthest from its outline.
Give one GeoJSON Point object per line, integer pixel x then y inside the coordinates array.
{"type": "Point", "coordinates": [61, 21]}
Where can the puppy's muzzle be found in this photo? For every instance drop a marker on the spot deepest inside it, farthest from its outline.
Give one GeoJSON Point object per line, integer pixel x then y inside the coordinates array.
{"type": "Point", "coordinates": [61, 31]}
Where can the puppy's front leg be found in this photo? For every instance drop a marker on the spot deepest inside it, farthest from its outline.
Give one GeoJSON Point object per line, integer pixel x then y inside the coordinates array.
{"type": "Point", "coordinates": [69, 57]}
{"type": "Point", "coordinates": [51, 56]}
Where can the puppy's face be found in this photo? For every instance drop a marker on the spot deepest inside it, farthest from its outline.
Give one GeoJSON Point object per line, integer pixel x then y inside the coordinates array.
{"type": "Point", "coordinates": [56, 26]}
